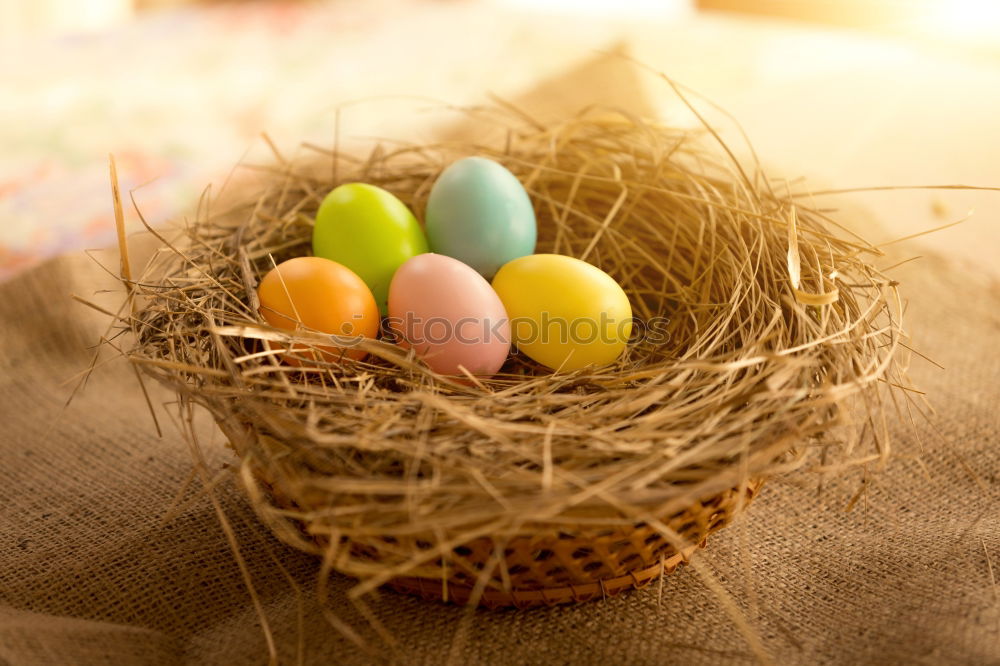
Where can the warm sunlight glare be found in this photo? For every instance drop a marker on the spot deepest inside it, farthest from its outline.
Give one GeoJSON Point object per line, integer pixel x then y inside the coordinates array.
{"type": "Point", "coordinates": [974, 19]}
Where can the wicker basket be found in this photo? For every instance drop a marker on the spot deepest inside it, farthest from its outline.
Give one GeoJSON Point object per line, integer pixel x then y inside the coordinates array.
{"type": "Point", "coordinates": [546, 566]}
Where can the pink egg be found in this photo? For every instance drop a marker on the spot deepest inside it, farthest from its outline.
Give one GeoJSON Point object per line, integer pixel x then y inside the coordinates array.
{"type": "Point", "coordinates": [449, 315]}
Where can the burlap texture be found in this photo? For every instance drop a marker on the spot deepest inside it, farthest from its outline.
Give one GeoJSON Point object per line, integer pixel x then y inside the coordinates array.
{"type": "Point", "coordinates": [92, 573]}
{"type": "Point", "coordinates": [89, 574]}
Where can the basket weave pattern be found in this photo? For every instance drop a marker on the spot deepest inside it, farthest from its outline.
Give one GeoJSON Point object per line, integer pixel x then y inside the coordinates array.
{"type": "Point", "coordinates": [545, 567]}
{"type": "Point", "coordinates": [575, 566]}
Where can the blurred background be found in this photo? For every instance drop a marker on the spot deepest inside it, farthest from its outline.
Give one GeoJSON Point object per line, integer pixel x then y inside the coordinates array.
{"type": "Point", "coordinates": [845, 92]}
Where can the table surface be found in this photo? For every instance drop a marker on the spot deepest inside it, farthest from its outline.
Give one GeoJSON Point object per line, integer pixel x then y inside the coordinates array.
{"type": "Point", "coordinates": [181, 96]}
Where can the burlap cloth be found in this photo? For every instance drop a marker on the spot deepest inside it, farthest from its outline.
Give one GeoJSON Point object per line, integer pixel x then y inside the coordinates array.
{"type": "Point", "coordinates": [108, 555]}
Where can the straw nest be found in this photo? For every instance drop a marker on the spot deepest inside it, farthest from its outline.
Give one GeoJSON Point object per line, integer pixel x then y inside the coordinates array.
{"type": "Point", "coordinates": [776, 340]}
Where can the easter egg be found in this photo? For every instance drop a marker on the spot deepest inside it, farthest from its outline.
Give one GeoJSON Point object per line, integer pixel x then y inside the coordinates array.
{"type": "Point", "coordinates": [370, 231]}
{"type": "Point", "coordinates": [449, 315]}
{"type": "Point", "coordinates": [322, 296]}
{"type": "Point", "coordinates": [565, 313]}
{"type": "Point", "coordinates": [479, 213]}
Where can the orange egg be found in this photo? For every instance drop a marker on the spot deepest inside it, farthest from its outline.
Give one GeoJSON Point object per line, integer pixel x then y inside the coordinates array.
{"type": "Point", "coordinates": [321, 296]}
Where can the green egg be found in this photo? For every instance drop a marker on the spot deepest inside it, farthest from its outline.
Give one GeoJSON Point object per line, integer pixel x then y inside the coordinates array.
{"type": "Point", "coordinates": [479, 213]}
{"type": "Point", "coordinates": [370, 231]}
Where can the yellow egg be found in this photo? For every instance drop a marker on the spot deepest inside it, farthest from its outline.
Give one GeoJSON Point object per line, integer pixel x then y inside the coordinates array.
{"type": "Point", "coordinates": [321, 296]}
{"type": "Point", "coordinates": [564, 313]}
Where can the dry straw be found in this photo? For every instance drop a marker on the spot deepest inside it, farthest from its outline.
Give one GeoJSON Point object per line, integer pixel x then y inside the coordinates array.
{"type": "Point", "coordinates": [532, 486]}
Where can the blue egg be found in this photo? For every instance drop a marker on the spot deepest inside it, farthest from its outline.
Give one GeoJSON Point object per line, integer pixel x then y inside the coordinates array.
{"type": "Point", "coordinates": [479, 213]}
